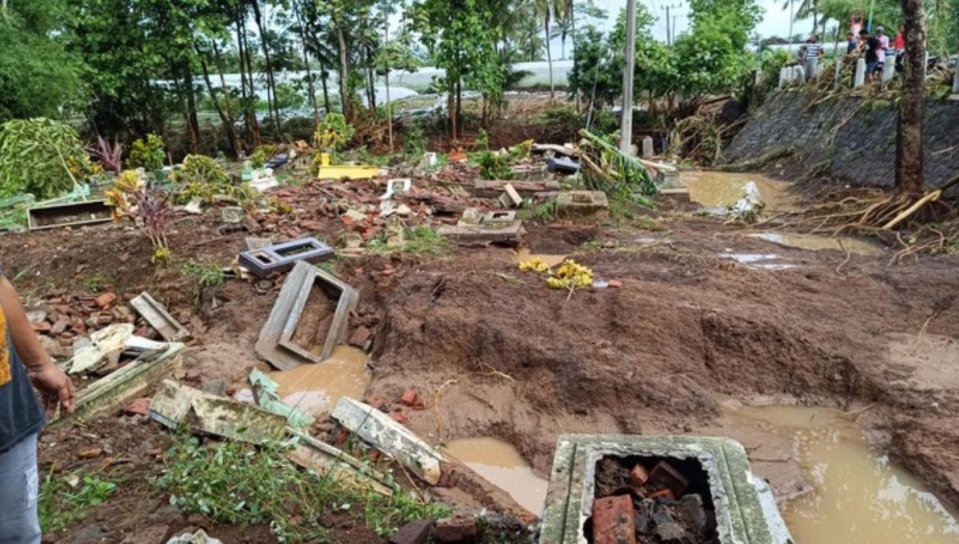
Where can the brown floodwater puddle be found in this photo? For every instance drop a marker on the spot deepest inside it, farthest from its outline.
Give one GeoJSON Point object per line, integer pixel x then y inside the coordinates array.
{"type": "Point", "coordinates": [816, 243]}
{"type": "Point", "coordinates": [503, 466]}
{"type": "Point", "coordinates": [316, 388]}
{"type": "Point", "coordinates": [859, 496]}
{"type": "Point", "coordinates": [711, 188]}
{"type": "Point", "coordinates": [523, 255]}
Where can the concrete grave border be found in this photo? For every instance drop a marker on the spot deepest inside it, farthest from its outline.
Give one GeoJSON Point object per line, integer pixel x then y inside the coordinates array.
{"type": "Point", "coordinates": [267, 260]}
{"type": "Point", "coordinates": [275, 341]}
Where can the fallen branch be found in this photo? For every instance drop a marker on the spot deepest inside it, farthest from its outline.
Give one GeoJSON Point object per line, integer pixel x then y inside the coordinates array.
{"type": "Point", "coordinates": [931, 197]}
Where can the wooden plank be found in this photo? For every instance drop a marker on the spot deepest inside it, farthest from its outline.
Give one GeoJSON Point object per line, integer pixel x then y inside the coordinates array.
{"type": "Point", "coordinates": [390, 437]}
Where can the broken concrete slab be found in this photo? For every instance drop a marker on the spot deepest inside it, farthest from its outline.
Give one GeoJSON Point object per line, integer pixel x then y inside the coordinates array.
{"type": "Point", "coordinates": [280, 258]}
{"type": "Point", "coordinates": [276, 343]}
{"type": "Point", "coordinates": [579, 203]}
{"type": "Point", "coordinates": [199, 537]}
{"type": "Point", "coordinates": [174, 405]}
{"type": "Point", "coordinates": [130, 381]}
{"type": "Point", "coordinates": [510, 198]}
{"type": "Point", "coordinates": [338, 465]}
{"type": "Point", "coordinates": [157, 316]}
{"type": "Point", "coordinates": [390, 437]}
{"type": "Point", "coordinates": [105, 346]}
{"type": "Point", "coordinates": [74, 214]}
{"type": "Point", "coordinates": [471, 217]}
{"type": "Point", "coordinates": [484, 188]}
{"type": "Point", "coordinates": [481, 234]}
{"type": "Point", "coordinates": [268, 398]}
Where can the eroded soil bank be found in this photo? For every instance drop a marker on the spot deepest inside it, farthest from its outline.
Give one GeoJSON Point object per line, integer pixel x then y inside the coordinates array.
{"type": "Point", "coordinates": [495, 353]}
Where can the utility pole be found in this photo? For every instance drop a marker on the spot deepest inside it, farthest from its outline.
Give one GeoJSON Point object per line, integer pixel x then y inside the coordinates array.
{"type": "Point", "coordinates": [670, 24]}
{"type": "Point", "coordinates": [626, 138]}
{"type": "Point", "coordinates": [790, 38]}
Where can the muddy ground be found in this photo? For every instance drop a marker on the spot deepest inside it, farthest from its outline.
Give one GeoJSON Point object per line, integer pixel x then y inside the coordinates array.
{"type": "Point", "coordinates": [688, 336]}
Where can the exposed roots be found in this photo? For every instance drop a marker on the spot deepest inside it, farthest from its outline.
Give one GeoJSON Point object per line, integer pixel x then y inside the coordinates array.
{"type": "Point", "coordinates": [913, 225]}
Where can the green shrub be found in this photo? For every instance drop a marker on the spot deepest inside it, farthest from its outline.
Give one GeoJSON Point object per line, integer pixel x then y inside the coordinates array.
{"type": "Point", "coordinates": [41, 157]}
{"type": "Point", "coordinates": [148, 154]}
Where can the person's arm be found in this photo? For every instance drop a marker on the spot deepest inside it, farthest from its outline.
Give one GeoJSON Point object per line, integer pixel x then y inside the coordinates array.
{"type": "Point", "coordinates": [54, 385]}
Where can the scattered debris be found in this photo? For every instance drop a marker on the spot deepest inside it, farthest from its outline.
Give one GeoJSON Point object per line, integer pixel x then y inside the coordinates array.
{"type": "Point", "coordinates": [199, 537]}
{"type": "Point", "coordinates": [157, 316]}
{"type": "Point", "coordinates": [280, 258]}
{"type": "Point", "coordinates": [268, 398]}
{"type": "Point", "coordinates": [484, 188]}
{"type": "Point", "coordinates": [232, 215]}
{"type": "Point", "coordinates": [277, 344]}
{"type": "Point", "coordinates": [417, 532]}
{"type": "Point", "coordinates": [510, 198]}
{"type": "Point", "coordinates": [104, 347]}
{"type": "Point", "coordinates": [127, 382]}
{"type": "Point", "coordinates": [390, 437]}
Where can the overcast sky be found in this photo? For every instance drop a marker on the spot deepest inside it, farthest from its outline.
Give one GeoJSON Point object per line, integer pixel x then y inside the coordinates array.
{"type": "Point", "coordinates": [775, 19]}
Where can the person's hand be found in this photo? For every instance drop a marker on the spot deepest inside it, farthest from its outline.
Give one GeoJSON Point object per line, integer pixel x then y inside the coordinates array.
{"type": "Point", "coordinates": [55, 387]}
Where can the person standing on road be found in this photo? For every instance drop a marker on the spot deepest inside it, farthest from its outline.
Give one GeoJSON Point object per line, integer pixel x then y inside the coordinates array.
{"type": "Point", "coordinates": [23, 361]}
{"type": "Point", "coordinates": [813, 52]}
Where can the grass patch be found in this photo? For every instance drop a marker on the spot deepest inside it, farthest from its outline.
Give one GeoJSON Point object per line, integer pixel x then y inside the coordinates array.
{"type": "Point", "coordinates": [94, 283]}
{"type": "Point", "coordinates": [205, 274]}
{"type": "Point", "coordinates": [541, 212]}
{"type": "Point", "coordinates": [420, 240]}
{"type": "Point", "coordinates": [61, 504]}
{"type": "Point", "coordinates": [241, 484]}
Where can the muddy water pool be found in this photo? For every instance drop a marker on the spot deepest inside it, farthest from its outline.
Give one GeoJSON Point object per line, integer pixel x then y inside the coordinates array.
{"type": "Point", "coordinates": [502, 465]}
{"type": "Point", "coordinates": [859, 496]}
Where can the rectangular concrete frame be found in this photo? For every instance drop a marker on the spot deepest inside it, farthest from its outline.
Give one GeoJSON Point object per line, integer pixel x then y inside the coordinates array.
{"type": "Point", "coordinates": [507, 233]}
{"type": "Point", "coordinates": [569, 501]}
{"type": "Point", "coordinates": [156, 315]}
{"type": "Point", "coordinates": [484, 188]}
{"type": "Point", "coordinates": [274, 345]}
{"type": "Point", "coordinates": [38, 217]}
{"type": "Point", "coordinates": [128, 382]}
{"type": "Point", "coordinates": [279, 263]}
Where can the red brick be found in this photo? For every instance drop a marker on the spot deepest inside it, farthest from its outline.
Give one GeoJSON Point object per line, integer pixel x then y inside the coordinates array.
{"type": "Point", "coordinates": [398, 416]}
{"type": "Point", "coordinates": [638, 476]}
{"type": "Point", "coordinates": [360, 336]}
{"type": "Point", "coordinates": [105, 299]}
{"type": "Point", "coordinates": [376, 402]}
{"type": "Point", "coordinates": [139, 406]}
{"type": "Point", "coordinates": [459, 529]}
{"type": "Point", "coordinates": [663, 494]}
{"type": "Point", "coordinates": [664, 476]}
{"type": "Point", "coordinates": [615, 284]}
{"type": "Point", "coordinates": [59, 327]}
{"type": "Point", "coordinates": [614, 520]}
{"type": "Point", "coordinates": [42, 327]}
{"type": "Point", "coordinates": [410, 398]}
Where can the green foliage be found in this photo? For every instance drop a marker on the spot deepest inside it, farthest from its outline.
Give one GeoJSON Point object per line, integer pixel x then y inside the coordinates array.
{"type": "Point", "coordinates": [205, 274]}
{"type": "Point", "coordinates": [94, 283]}
{"type": "Point", "coordinates": [414, 141]}
{"type": "Point", "coordinates": [41, 157]}
{"type": "Point", "coordinates": [37, 76]}
{"type": "Point", "coordinates": [239, 484]}
{"type": "Point", "coordinates": [623, 178]}
{"type": "Point", "coordinates": [262, 154]}
{"type": "Point", "coordinates": [202, 169]}
{"type": "Point", "coordinates": [148, 154]}
{"type": "Point", "coordinates": [333, 133]}
{"type": "Point", "coordinates": [60, 505]}
{"type": "Point", "coordinates": [542, 212]}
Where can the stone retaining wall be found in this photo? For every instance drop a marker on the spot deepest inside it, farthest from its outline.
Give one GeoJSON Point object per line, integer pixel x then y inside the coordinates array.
{"type": "Point", "coordinates": [851, 139]}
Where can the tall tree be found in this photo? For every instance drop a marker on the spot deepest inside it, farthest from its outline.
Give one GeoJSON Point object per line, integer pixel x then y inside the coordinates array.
{"type": "Point", "coordinates": [37, 76]}
{"type": "Point", "coordinates": [544, 9]}
{"type": "Point", "coordinates": [909, 149]}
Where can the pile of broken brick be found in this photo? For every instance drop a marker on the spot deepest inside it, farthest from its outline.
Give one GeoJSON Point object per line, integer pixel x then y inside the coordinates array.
{"type": "Point", "coordinates": [654, 506]}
